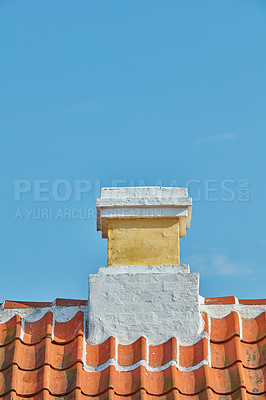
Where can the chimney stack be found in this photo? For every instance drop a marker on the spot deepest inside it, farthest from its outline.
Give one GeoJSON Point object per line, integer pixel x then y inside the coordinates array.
{"type": "Point", "coordinates": [143, 224]}
{"type": "Point", "coordinates": [144, 290]}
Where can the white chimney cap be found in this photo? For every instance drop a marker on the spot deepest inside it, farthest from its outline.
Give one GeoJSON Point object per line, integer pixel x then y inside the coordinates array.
{"type": "Point", "coordinates": [144, 202]}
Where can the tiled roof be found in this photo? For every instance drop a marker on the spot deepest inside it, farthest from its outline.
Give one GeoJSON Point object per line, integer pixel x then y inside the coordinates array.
{"type": "Point", "coordinates": [44, 354]}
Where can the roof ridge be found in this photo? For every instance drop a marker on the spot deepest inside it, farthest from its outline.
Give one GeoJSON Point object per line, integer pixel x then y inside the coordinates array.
{"type": "Point", "coordinates": [233, 300]}
{"type": "Point", "coordinates": [59, 302]}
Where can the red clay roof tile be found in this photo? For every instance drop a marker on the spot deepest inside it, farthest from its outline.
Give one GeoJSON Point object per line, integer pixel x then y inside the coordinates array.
{"type": "Point", "coordinates": [67, 331]}
{"type": "Point", "coordinates": [207, 394]}
{"type": "Point", "coordinates": [189, 356]}
{"type": "Point", "coordinates": [34, 332]}
{"type": "Point", "coordinates": [99, 354]}
{"type": "Point", "coordinates": [70, 302]}
{"type": "Point", "coordinates": [253, 302]}
{"type": "Point", "coordinates": [132, 353]}
{"type": "Point", "coordinates": [48, 358]}
{"type": "Point", "coordinates": [33, 304]}
{"type": "Point", "coordinates": [221, 300]}
{"type": "Point", "coordinates": [10, 330]}
{"type": "Point", "coordinates": [163, 353]}
{"type": "Point", "coordinates": [233, 300]}
{"type": "Point", "coordinates": [25, 304]}
{"type": "Point", "coordinates": [225, 328]}
{"type": "Point", "coordinates": [254, 329]}
{"type": "Point", "coordinates": [206, 323]}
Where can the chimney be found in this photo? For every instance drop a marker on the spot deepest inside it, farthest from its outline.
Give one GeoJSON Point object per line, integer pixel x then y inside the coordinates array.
{"type": "Point", "coordinates": [143, 224]}
{"type": "Point", "coordinates": [144, 290]}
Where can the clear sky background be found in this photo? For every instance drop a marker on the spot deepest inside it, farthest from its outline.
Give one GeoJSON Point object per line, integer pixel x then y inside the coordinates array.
{"type": "Point", "coordinates": [131, 92]}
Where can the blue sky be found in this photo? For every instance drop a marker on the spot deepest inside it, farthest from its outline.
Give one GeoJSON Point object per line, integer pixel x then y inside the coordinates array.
{"type": "Point", "coordinates": [129, 92]}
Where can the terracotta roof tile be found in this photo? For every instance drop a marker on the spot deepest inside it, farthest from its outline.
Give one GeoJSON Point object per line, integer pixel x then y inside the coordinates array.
{"type": "Point", "coordinates": [45, 352]}
{"type": "Point", "coordinates": [225, 328]}
{"type": "Point", "coordinates": [221, 300]}
{"type": "Point", "coordinates": [10, 330]}
{"type": "Point", "coordinates": [233, 300]}
{"type": "Point", "coordinates": [34, 332]}
{"type": "Point", "coordinates": [252, 355]}
{"type": "Point", "coordinates": [206, 323]}
{"type": "Point", "coordinates": [192, 355]}
{"type": "Point", "coordinates": [207, 394]}
{"type": "Point", "coordinates": [254, 329]}
{"type": "Point", "coordinates": [100, 354]}
{"type": "Point", "coordinates": [253, 302]}
{"type": "Point", "coordinates": [163, 353]}
{"type": "Point", "coordinates": [25, 304]}
{"type": "Point", "coordinates": [70, 302]}
{"type": "Point", "coordinates": [67, 331]}
{"type": "Point", "coordinates": [132, 353]}
{"type": "Point", "coordinates": [47, 356]}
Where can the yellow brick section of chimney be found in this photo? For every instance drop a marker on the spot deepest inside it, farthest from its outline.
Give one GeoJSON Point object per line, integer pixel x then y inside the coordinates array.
{"type": "Point", "coordinates": [143, 241]}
